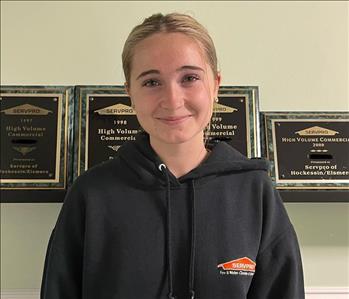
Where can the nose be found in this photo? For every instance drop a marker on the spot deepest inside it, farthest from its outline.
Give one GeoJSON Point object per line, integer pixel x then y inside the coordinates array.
{"type": "Point", "coordinates": [172, 98]}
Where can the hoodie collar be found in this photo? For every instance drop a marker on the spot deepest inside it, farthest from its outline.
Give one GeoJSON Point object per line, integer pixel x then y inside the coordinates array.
{"type": "Point", "coordinates": [144, 162]}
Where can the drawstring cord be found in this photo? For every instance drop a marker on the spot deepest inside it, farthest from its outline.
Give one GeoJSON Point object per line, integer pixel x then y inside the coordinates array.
{"type": "Point", "coordinates": [163, 169]}
{"type": "Point", "coordinates": [193, 242]}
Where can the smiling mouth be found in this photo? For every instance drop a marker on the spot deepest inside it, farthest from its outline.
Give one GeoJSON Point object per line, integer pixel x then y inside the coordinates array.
{"type": "Point", "coordinates": [173, 120]}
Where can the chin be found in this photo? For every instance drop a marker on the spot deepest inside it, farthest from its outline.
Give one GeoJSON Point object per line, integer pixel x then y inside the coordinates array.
{"type": "Point", "coordinates": [171, 139]}
{"type": "Point", "coordinates": [175, 138]}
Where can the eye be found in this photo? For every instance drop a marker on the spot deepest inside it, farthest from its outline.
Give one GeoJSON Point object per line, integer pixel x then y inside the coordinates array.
{"type": "Point", "coordinates": [150, 83]}
{"type": "Point", "coordinates": [191, 78]}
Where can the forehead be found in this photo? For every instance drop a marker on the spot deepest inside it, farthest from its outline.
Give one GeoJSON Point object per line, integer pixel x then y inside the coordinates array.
{"type": "Point", "coordinates": [167, 49]}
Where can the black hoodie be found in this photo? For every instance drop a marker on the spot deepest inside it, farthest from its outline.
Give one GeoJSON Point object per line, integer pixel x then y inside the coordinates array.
{"type": "Point", "coordinates": [129, 229]}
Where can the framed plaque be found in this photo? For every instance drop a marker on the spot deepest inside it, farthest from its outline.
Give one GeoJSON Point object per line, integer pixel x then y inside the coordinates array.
{"type": "Point", "coordinates": [104, 121]}
{"type": "Point", "coordinates": [308, 150]}
{"type": "Point", "coordinates": [236, 119]}
{"type": "Point", "coordinates": [36, 137]}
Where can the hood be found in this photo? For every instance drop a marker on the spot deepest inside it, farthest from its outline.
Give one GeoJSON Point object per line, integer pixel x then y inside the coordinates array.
{"type": "Point", "coordinates": [144, 162]}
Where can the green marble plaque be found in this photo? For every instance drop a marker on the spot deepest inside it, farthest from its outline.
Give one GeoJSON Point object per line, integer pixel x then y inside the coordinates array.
{"type": "Point", "coordinates": [36, 137]}
{"type": "Point", "coordinates": [235, 119]}
{"type": "Point", "coordinates": [308, 150]}
{"type": "Point", "coordinates": [104, 121]}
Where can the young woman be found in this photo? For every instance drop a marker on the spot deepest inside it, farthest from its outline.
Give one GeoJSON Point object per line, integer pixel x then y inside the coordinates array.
{"type": "Point", "coordinates": [170, 217]}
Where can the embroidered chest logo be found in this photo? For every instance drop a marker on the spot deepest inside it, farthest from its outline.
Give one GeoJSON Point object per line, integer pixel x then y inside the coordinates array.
{"type": "Point", "coordinates": [241, 266]}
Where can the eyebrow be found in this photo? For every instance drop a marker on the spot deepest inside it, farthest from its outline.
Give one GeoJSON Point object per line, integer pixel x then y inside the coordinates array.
{"type": "Point", "coordinates": [184, 67]}
{"type": "Point", "coordinates": [147, 73]}
{"type": "Point", "coordinates": [190, 67]}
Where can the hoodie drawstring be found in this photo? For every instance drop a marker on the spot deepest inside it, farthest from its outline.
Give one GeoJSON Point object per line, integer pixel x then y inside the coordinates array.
{"type": "Point", "coordinates": [163, 169]}
{"type": "Point", "coordinates": [193, 243]}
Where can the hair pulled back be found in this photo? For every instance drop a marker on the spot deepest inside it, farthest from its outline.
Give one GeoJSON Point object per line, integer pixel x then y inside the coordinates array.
{"type": "Point", "coordinates": [173, 22]}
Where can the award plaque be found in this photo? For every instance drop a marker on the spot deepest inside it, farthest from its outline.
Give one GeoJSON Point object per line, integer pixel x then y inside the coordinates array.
{"type": "Point", "coordinates": [36, 127]}
{"type": "Point", "coordinates": [104, 121]}
{"type": "Point", "coordinates": [308, 150]}
{"type": "Point", "coordinates": [235, 119]}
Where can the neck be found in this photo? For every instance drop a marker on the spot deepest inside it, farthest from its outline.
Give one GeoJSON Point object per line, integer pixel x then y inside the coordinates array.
{"type": "Point", "coordinates": [180, 158]}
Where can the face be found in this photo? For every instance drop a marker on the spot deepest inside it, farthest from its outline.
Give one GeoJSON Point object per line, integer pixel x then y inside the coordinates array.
{"type": "Point", "coordinates": [172, 88]}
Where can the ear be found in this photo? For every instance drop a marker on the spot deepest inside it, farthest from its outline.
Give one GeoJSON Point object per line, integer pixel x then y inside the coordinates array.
{"type": "Point", "coordinates": [218, 82]}
{"type": "Point", "coordinates": [127, 88]}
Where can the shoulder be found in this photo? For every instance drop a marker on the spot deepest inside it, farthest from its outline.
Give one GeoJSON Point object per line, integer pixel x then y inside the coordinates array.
{"type": "Point", "coordinates": [98, 177]}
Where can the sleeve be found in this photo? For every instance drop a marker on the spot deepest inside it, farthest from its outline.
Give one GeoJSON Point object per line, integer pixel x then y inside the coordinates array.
{"type": "Point", "coordinates": [279, 272]}
{"type": "Point", "coordinates": [62, 275]}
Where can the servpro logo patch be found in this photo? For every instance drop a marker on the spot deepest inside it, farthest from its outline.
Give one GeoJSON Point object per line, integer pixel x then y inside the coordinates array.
{"type": "Point", "coordinates": [241, 266]}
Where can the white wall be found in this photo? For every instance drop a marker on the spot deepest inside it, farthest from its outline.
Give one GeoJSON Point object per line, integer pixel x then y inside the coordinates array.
{"type": "Point", "coordinates": [296, 52]}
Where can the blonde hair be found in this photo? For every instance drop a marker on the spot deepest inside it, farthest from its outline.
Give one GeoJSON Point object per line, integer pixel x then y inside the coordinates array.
{"type": "Point", "coordinates": [173, 22]}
